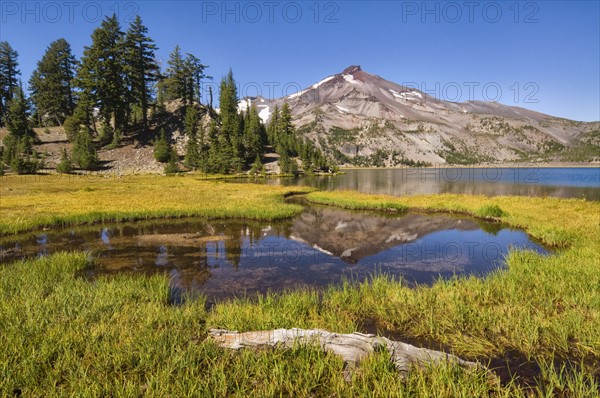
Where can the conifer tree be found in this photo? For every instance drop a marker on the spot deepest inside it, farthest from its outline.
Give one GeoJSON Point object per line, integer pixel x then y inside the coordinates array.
{"type": "Point", "coordinates": [51, 82]}
{"type": "Point", "coordinates": [9, 72]}
{"type": "Point", "coordinates": [19, 152]}
{"type": "Point", "coordinates": [254, 135]}
{"type": "Point", "coordinates": [65, 166]}
{"type": "Point", "coordinates": [141, 69]}
{"type": "Point", "coordinates": [162, 147]}
{"type": "Point", "coordinates": [194, 73]}
{"type": "Point", "coordinates": [18, 116]}
{"type": "Point", "coordinates": [172, 167]}
{"type": "Point", "coordinates": [84, 152]}
{"type": "Point", "coordinates": [101, 75]}
{"type": "Point", "coordinates": [192, 153]}
{"type": "Point", "coordinates": [175, 79]}
{"type": "Point", "coordinates": [231, 144]}
{"type": "Point", "coordinates": [82, 116]}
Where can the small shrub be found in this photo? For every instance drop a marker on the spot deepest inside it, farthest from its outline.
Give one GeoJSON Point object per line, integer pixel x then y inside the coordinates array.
{"type": "Point", "coordinates": [162, 148]}
{"type": "Point", "coordinates": [65, 166]}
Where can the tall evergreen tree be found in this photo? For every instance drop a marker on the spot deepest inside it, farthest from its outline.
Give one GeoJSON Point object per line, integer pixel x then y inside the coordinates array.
{"type": "Point", "coordinates": [194, 71]}
{"type": "Point", "coordinates": [254, 135]}
{"type": "Point", "coordinates": [101, 75]}
{"type": "Point", "coordinates": [19, 153]}
{"type": "Point", "coordinates": [19, 111]}
{"type": "Point", "coordinates": [9, 72]}
{"type": "Point", "coordinates": [141, 68]}
{"type": "Point", "coordinates": [82, 116]}
{"type": "Point", "coordinates": [183, 78]}
{"type": "Point", "coordinates": [175, 80]}
{"type": "Point", "coordinates": [192, 151]}
{"type": "Point", "coordinates": [51, 82]}
{"type": "Point", "coordinates": [231, 143]}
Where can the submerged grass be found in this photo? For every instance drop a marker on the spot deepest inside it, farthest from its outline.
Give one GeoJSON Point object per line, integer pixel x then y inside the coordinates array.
{"type": "Point", "coordinates": [29, 202]}
{"type": "Point", "coordinates": [62, 335]}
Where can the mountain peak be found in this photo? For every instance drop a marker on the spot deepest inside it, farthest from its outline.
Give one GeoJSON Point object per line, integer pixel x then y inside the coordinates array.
{"type": "Point", "coordinates": [352, 69]}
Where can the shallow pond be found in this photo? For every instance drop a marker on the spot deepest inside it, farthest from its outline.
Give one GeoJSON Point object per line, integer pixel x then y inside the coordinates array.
{"type": "Point", "coordinates": [319, 247]}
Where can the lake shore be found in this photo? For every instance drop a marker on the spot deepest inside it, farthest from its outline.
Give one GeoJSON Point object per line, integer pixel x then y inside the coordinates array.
{"type": "Point", "coordinates": [488, 165]}
{"type": "Point", "coordinates": [534, 324]}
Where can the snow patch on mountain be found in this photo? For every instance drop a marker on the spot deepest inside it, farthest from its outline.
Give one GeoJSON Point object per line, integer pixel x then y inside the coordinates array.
{"type": "Point", "coordinates": [406, 95]}
{"type": "Point", "coordinates": [314, 86]}
{"type": "Point", "coordinates": [244, 104]}
{"type": "Point", "coordinates": [350, 79]}
{"type": "Point", "coordinates": [264, 113]}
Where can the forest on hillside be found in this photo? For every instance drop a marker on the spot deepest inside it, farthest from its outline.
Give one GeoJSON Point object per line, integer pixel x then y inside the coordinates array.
{"type": "Point", "coordinates": [117, 91]}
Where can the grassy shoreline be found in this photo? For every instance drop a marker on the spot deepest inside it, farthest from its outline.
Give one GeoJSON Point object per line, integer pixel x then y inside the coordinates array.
{"type": "Point", "coordinates": [63, 335]}
{"type": "Point", "coordinates": [33, 202]}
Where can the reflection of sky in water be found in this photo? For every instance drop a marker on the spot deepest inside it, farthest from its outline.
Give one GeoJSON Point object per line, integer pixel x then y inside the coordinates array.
{"type": "Point", "coordinates": [162, 259]}
{"type": "Point", "coordinates": [105, 236]}
{"type": "Point", "coordinates": [322, 246]}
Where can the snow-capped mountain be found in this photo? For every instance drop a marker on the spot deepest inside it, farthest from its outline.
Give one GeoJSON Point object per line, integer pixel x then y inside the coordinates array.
{"type": "Point", "coordinates": [363, 119]}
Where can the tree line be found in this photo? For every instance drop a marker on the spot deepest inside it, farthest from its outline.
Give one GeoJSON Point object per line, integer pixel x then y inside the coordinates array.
{"type": "Point", "coordinates": [118, 88]}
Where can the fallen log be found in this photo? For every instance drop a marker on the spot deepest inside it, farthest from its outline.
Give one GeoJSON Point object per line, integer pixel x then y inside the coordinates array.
{"type": "Point", "coordinates": [352, 348]}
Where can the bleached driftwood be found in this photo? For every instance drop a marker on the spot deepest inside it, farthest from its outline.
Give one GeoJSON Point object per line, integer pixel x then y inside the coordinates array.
{"type": "Point", "coordinates": [352, 347]}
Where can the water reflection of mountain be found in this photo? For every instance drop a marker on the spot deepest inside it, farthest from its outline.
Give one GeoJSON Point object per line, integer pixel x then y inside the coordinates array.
{"type": "Point", "coordinates": [352, 236]}
{"type": "Point", "coordinates": [225, 258]}
{"type": "Point", "coordinates": [564, 183]}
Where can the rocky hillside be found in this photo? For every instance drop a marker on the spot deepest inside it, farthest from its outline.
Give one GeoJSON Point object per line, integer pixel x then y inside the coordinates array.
{"type": "Point", "coordinates": [364, 120]}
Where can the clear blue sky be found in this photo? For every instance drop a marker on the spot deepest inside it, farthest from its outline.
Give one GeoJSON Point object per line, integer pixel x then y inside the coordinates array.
{"type": "Point", "coordinates": [542, 55]}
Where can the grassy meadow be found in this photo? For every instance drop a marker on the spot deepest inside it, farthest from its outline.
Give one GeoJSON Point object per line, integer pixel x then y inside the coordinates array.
{"type": "Point", "coordinates": [535, 324]}
{"type": "Point", "coordinates": [30, 201]}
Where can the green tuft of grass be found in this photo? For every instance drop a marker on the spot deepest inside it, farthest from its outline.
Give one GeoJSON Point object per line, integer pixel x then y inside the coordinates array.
{"type": "Point", "coordinates": [490, 211]}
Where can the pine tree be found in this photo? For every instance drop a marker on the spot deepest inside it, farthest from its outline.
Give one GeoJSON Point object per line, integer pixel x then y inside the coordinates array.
{"type": "Point", "coordinates": [84, 152]}
{"type": "Point", "coordinates": [18, 116]}
{"type": "Point", "coordinates": [51, 82]}
{"type": "Point", "coordinates": [273, 128]}
{"type": "Point", "coordinates": [194, 73]}
{"type": "Point", "coordinates": [172, 167]}
{"type": "Point", "coordinates": [101, 75]}
{"type": "Point", "coordinates": [82, 116]}
{"type": "Point", "coordinates": [254, 135]}
{"type": "Point", "coordinates": [9, 73]}
{"type": "Point", "coordinates": [19, 152]}
{"type": "Point", "coordinates": [231, 124]}
{"type": "Point", "coordinates": [257, 166]}
{"type": "Point", "coordinates": [191, 121]}
{"type": "Point", "coordinates": [141, 68]}
{"type": "Point", "coordinates": [175, 80]}
{"type": "Point", "coordinates": [184, 76]}
{"type": "Point", "coordinates": [192, 153]}
{"type": "Point", "coordinates": [162, 147]}
{"type": "Point", "coordinates": [65, 166]}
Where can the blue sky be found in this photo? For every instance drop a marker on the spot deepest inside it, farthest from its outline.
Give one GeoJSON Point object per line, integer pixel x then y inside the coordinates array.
{"type": "Point", "coordinates": [541, 55]}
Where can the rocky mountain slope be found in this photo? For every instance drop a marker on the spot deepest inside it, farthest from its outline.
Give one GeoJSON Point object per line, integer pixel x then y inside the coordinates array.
{"type": "Point", "coordinates": [364, 120]}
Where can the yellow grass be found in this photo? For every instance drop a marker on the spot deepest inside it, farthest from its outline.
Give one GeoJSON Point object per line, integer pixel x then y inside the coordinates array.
{"type": "Point", "coordinates": [28, 202]}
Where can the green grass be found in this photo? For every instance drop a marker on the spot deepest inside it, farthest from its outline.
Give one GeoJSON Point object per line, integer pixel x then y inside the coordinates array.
{"type": "Point", "coordinates": [30, 202]}
{"type": "Point", "coordinates": [63, 336]}
{"type": "Point", "coordinates": [490, 211]}
{"type": "Point", "coordinates": [117, 336]}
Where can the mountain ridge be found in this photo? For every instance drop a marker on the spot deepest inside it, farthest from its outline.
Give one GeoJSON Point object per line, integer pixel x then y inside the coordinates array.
{"type": "Point", "coordinates": [362, 119]}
